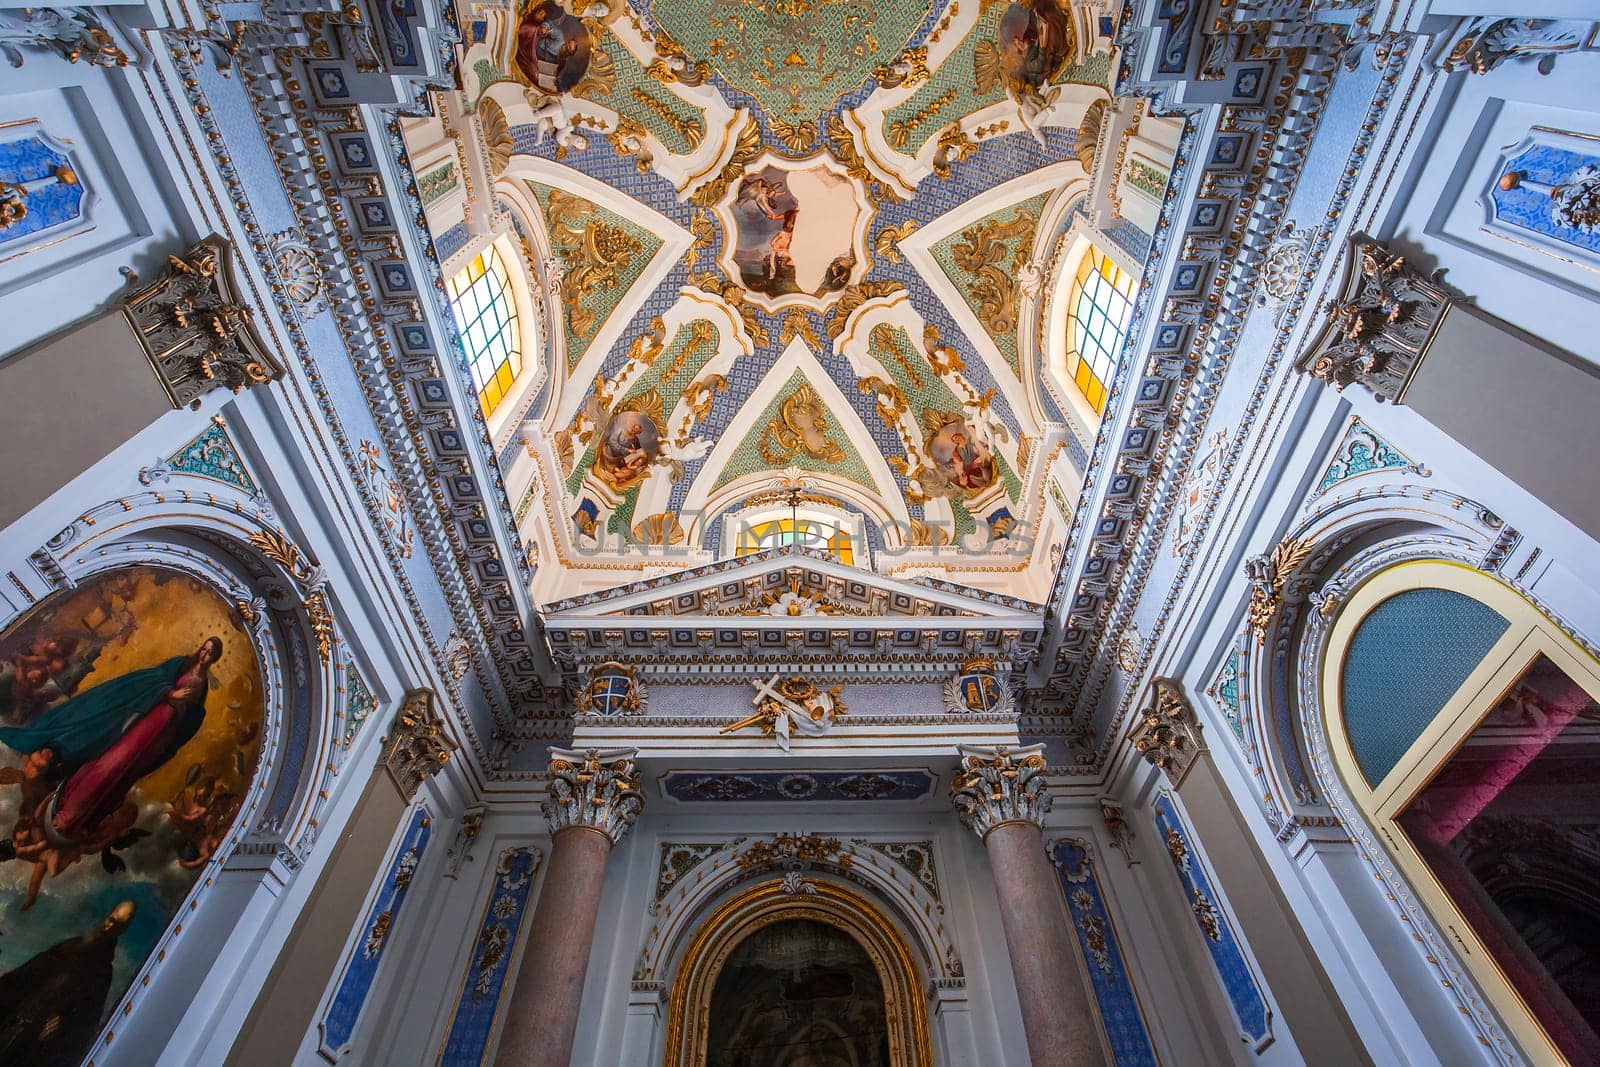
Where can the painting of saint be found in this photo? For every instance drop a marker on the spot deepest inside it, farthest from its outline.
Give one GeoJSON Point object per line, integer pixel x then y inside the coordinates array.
{"type": "Point", "coordinates": [793, 232]}
{"type": "Point", "coordinates": [628, 444]}
{"type": "Point", "coordinates": [962, 461]}
{"type": "Point", "coordinates": [553, 47]}
{"type": "Point", "coordinates": [1036, 38]}
{"type": "Point", "coordinates": [130, 730]}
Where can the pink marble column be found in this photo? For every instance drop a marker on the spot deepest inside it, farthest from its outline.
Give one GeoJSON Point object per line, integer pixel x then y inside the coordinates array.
{"type": "Point", "coordinates": [594, 798]}
{"type": "Point", "coordinates": [1000, 795]}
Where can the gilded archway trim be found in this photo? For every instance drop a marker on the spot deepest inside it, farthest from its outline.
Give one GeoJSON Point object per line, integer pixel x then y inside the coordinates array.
{"type": "Point", "coordinates": [769, 902]}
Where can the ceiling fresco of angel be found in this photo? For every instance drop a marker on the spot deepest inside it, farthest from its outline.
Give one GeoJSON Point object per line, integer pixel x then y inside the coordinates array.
{"type": "Point", "coordinates": [838, 224]}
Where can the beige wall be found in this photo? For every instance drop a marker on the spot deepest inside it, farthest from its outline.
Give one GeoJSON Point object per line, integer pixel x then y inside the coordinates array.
{"type": "Point", "coordinates": [286, 1009]}
{"type": "Point", "coordinates": [68, 403]}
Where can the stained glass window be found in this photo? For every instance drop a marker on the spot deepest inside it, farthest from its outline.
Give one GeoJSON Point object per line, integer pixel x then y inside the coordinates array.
{"type": "Point", "coordinates": [807, 533]}
{"type": "Point", "coordinates": [1099, 306]}
{"type": "Point", "coordinates": [486, 315]}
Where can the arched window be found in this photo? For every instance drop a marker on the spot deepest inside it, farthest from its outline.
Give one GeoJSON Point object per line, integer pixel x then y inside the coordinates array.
{"type": "Point", "coordinates": [486, 315]}
{"type": "Point", "coordinates": [802, 531]}
{"type": "Point", "coordinates": [1098, 309]}
{"type": "Point", "coordinates": [1467, 728]}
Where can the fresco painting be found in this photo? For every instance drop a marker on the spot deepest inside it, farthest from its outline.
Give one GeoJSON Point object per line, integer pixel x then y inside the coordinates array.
{"type": "Point", "coordinates": [552, 47]}
{"type": "Point", "coordinates": [962, 462]}
{"type": "Point", "coordinates": [131, 712]}
{"type": "Point", "coordinates": [793, 231]}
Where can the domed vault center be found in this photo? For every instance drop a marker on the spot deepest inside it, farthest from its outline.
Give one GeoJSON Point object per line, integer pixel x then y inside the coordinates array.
{"type": "Point", "coordinates": [800, 533]}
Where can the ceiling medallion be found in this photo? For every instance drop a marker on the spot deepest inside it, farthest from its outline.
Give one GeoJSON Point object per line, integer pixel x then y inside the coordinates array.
{"type": "Point", "coordinates": [797, 231]}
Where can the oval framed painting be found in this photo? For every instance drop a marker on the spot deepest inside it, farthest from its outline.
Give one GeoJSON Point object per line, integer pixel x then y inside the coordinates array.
{"type": "Point", "coordinates": [131, 717]}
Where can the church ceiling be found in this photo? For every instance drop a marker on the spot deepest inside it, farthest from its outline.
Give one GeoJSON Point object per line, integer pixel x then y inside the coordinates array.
{"type": "Point", "coordinates": [784, 239]}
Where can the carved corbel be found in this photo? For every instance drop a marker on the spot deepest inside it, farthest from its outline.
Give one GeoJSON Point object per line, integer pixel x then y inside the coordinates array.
{"type": "Point", "coordinates": [1168, 734]}
{"type": "Point", "coordinates": [416, 746]}
{"type": "Point", "coordinates": [1379, 329]}
{"type": "Point", "coordinates": [194, 329]}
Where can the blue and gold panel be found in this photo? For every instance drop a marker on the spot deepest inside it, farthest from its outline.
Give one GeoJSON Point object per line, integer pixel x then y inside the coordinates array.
{"type": "Point", "coordinates": [478, 1003]}
{"type": "Point", "coordinates": [1238, 980]}
{"type": "Point", "coordinates": [1108, 970]}
{"type": "Point", "coordinates": [712, 786]}
{"type": "Point", "coordinates": [43, 197]}
{"type": "Point", "coordinates": [344, 1010]}
{"type": "Point", "coordinates": [1547, 193]}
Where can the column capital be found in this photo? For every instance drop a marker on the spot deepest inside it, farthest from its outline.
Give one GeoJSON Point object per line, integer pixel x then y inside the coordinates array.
{"type": "Point", "coordinates": [595, 789]}
{"type": "Point", "coordinates": [1380, 326]}
{"type": "Point", "coordinates": [1168, 734]}
{"type": "Point", "coordinates": [196, 331]}
{"type": "Point", "coordinates": [1000, 785]}
{"type": "Point", "coordinates": [416, 746]}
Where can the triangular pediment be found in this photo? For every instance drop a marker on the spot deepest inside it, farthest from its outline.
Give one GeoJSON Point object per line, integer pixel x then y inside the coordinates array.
{"type": "Point", "coordinates": [796, 586]}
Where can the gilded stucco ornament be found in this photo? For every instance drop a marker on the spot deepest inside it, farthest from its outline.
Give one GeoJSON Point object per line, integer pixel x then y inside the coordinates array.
{"type": "Point", "coordinates": [789, 706]}
{"type": "Point", "coordinates": [76, 34]}
{"type": "Point", "coordinates": [999, 785]}
{"type": "Point", "coordinates": [596, 790]}
{"type": "Point", "coordinates": [1267, 575]}
{"type": "Point", "coordinates": [1168, 734]}
{"type": "Point", "coordinates": [1482, 43]}
{"type": "Point", "coordinates": [416, 747]}
{"type": "Point", "coordinates": [194, 329]}
{"type": "Point", "coordinates": [978, 687]}
{"type": "Point", "coordinates": [1380, 328]}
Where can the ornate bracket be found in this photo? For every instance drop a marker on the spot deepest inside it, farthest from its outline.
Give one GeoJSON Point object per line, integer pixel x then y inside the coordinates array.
{"type": "Point", "coordinates": [1268, 574]}
{"type": "Point", "coordinates": [195, 331]}
{"type": "Point", "coordinates": [416, 747]}
{"type": "Point", "coordinates": [1380, 328]}
{"type": "Point", "coordinates": [1000, 785]}
{"type": "Point", "coordinates": [1168, 734]}
{"type": "Point", "coordinates": [596, 789]}
{"type": "Point", "coordinates": [76, 34]}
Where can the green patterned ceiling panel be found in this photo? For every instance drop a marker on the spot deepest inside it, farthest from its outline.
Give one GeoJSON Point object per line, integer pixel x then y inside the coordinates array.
{"type": "Point", "coordinates": [602, 254]}
{"type": "Point", "coordinates": [796, 57]}
{"type": "Point", "coordinates": [798, 430]}
{"type": "Point", "coordinates": [982, 260]}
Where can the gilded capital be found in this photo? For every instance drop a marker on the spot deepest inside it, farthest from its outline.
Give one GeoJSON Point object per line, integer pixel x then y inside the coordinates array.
{"type": "Point", "coordinates": [596, 789]}
{"type": "Point", "coordinates": [1381, 325]}
{"type": "Point", "coordinates": [1000, 785]}
{"type": "Point", "coordinates": [416, 746]}
{"type": "Point", "coordinates": [196, 331]}
{"type": "Point", "coordinates": [1168, 734]}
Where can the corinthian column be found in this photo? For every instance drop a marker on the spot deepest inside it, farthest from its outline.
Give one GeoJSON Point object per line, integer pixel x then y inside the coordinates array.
{"type": "Point", "coordinates": [594, 798]}
{"type": "Point", "coordinates": [1000, 795]}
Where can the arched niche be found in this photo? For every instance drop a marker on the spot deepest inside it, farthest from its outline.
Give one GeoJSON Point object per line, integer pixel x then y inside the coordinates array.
{"type": "Point", "coordinates": [247, 826]}
{"type": "Point", "coordinates": [1464, 726]}
{"type": "Point", "coordinates": [1346, 535]}
{"type": "Point", "coordinates": [765, 904]}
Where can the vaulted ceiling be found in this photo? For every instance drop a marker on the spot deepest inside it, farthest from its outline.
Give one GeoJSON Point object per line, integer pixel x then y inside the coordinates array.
{"type": "Point", "coordinates": [779, 251]}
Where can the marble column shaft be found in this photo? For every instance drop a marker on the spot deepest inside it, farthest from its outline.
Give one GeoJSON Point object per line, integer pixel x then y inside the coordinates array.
{"type": "Point", "coordinates": [1000, 795]}
{"type": "Point", "coordinates": [542, 1018]}
{"type": "Point", "coordinates": [594, 798]}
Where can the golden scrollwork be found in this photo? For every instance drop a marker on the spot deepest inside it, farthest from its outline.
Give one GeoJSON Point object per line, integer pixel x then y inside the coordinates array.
{"type": "Point", "coordinates": [593, 253]}
{"type": "Point", "coordinates": [745, 150]}
{"type": "Point", "coordinates": [788, 849]}
{"type": "Point", "coordinates": [732, 295]}
{"type": "Point", "coordinates": [692, 130]}
{"type": "Point", "coordinates": [953, 147]}
{"type": "Point", "coordinates": [659, 529]}
{"type": "Point", "coordinates": [993, 266]}
{"type": "Point", "coordinates": [795, 136]}
{"type": "Point", "coordinates": [908, 71]}
{"type": "Point", "coordinates": [796, 323]}
{"type": "Point", "coordinates": [800, 428]}
{"type": "Point", "coordinates": [889, 238]}
{"type": "Point", "coordinates": [853, 296]}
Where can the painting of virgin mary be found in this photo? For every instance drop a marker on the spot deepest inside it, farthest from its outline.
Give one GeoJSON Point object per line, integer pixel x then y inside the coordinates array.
{"type": "Point", "coordinates": [130, 739]}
